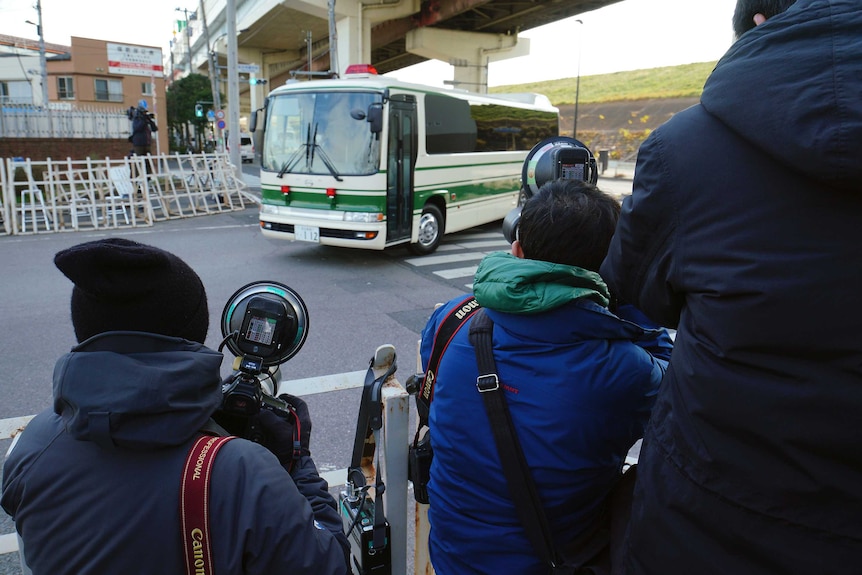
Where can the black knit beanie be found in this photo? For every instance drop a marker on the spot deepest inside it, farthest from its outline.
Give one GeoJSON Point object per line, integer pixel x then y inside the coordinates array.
{"type": "Point", "coordinates": [121, 285]}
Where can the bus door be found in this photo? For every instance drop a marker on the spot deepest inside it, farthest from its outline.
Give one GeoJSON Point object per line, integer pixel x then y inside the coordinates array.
{"type": "Point", "coordinates": [400, 160]}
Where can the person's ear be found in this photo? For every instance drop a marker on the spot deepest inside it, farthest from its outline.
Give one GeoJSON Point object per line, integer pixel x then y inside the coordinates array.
{"type": "Point", "coordinates": [517, 250]}
{"type": "Point", "coordinates": [759, 19]}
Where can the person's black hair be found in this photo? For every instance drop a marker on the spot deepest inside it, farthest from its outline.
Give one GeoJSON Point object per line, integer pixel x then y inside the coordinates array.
{"type": "Point", "coordinates": [568, 222]}
{"type": "Point", "coordinates": [743, 15]}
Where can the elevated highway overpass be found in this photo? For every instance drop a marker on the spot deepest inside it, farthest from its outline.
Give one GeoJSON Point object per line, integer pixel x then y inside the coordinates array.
{"type": "Point", "coordinates": [290, 38]}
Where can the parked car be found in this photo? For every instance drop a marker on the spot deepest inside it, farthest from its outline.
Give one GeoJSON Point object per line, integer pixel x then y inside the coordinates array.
{"type": "Point", "coordinates": [246, 147]}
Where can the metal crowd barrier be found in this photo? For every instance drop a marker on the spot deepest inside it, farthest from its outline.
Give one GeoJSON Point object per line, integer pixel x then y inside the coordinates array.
{"type": "Point", "coordinates": [71, 195]}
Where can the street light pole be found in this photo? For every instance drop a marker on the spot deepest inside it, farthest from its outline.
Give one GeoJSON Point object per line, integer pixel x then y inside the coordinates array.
{"type": "Point", "coordinates": [188, 35]}
{"type": "Point", "coordinates": [212, 61]}
{"type": "Point", "coordinates": [578, 81]}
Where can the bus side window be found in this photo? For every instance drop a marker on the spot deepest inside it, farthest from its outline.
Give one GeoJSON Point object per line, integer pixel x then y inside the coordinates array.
{"type": "Point", "coordinates": [449, 127]}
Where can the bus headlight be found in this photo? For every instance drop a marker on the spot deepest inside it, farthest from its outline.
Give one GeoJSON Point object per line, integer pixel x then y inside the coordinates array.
{"type": "Point", "coordinates": [364, 217]}
{"type": "Point", "coordinates": [268, 209]}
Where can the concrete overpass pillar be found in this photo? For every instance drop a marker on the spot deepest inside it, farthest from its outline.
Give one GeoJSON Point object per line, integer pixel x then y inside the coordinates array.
{"type": "Point", "coordinates": [349, 32]}
{"type": "Point", "coordinates": [469, 52]}
{"type": "Point", "coordinates": [353, 22]}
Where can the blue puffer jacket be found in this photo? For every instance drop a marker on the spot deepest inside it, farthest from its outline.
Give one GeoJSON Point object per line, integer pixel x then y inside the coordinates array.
{"type": "Point", "coordinates": [580, 382]}
{"type": "Point", "coordinates": [89, 498]}
{"type": "Point", "coordinates": [744, 229]}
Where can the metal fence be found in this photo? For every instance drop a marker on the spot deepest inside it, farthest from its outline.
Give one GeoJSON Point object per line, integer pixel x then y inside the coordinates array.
{"type": "Point", "coordinates": [28, 121]}
{"type": "Point", "coordinates": [71, 195]}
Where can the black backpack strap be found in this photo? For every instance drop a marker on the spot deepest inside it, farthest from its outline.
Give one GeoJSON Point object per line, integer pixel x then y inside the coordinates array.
{"type": "Point", "coordinates": [446, 330]}
{"type": "Point", "coordinates": [521, 486]}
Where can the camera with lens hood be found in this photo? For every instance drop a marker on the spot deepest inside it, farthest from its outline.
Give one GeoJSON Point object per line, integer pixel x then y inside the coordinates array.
{"type": "Point", "coordinates": [263, 324]}
{"type": "Point", "coordinates": [559, 157]}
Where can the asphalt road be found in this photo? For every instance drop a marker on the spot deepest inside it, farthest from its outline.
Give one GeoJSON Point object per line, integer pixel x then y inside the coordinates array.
{"type": "Point", "coordinates": [357, 300]}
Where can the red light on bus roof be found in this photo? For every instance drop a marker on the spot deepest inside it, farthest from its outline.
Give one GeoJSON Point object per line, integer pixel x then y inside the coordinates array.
{"type": "Point", "coordinates": [285, 190]}
{"type": "Point", "coordinates": [330, 192]}
{"type": "Point", "coordinates": [361, 69]}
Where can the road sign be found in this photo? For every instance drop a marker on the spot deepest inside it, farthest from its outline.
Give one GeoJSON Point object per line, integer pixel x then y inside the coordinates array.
{"type": "Point", "coordinates": [248, 68]}
{"type": "Point", "coordinates": [221, 124]}
{"type": "Point", "coordinates": [220, 114]}
{"type": "Point", "coordinates": [210, 115]}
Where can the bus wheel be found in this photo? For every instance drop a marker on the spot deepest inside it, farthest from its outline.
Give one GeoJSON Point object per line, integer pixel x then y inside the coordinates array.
{"type": "Point", "coordinates": [430, 231]}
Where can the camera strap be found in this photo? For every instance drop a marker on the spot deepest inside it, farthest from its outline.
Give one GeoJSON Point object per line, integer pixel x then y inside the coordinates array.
{"type": "Point", "coordinates": [446, 330]}
{"type": "Point", "coordinates": [529, 508]}
{"type": "Point", "coordinates": [577, 554]}
{"type": "Point", "coordinates": [194, 504]}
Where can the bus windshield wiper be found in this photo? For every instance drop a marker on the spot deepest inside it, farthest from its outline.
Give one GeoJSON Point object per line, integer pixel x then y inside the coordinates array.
{"type": "Point", "coordinates": [309, 147]}
{"type": "Point", "coordinates": [294, 157]}
{"type": "Point", "coordinates": [323, 156]}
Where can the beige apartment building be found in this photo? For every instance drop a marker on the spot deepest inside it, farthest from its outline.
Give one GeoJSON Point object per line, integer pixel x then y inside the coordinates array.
{"type": "Point", "coordinates": [106, 75]}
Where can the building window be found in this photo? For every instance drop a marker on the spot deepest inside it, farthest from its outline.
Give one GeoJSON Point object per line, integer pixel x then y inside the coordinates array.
{"type": "Point", "coordinates": [65, 88]}
{"type": "Point", "coordinates": [146, 88]}
{"type": "Point", "coordinates": [16, 92]}
{"type": "Point", "coordinates": [109, 90]}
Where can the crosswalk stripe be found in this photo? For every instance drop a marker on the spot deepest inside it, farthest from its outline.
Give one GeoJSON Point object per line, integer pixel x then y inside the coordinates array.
{"type": "Point", "coordinates": [487, 244]}
{"type": "Point", "coordinates": [457, 273]}
{"type": "Point", "coordinates": [448, 259]}
{"type": "Point", "coordinates": [479, 236]}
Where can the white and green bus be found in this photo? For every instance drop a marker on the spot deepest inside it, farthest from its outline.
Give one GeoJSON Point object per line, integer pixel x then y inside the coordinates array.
{"type": "Point", "coordinates": [369, 162]}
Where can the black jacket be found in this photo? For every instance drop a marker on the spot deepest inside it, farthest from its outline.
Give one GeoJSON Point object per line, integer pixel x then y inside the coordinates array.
{"type": "Point", "coordinates": [744, 230]}
{"type": "Point", "coordinates": [93, 498]}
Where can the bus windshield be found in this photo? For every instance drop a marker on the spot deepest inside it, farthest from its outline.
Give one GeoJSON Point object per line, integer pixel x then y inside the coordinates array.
{"type": "Point", "coordinates": [321, 133]}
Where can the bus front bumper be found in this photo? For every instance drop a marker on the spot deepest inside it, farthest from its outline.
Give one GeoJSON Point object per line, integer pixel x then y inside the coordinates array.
{"type": "Point", "coordinates": [369, 236]}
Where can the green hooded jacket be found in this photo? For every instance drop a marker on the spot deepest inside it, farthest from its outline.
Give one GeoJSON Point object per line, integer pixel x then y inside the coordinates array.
{"type": "Point", "coordinates": [510, 284]}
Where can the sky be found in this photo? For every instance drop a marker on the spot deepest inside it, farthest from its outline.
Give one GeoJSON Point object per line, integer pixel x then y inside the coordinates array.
{"type": "Point", "coordinates": [627, 35]}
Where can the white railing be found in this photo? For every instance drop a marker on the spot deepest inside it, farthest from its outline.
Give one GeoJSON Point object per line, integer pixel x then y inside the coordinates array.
{"type": "Point", "coordinates": [71, 195]}
{"type": "Point", "coordinates": [29, 121]}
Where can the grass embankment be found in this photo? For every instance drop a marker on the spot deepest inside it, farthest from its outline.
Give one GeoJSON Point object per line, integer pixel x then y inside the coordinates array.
{"type": "Point", "coordinates": [666, 82]}
{"type": "Point", "coordinates": [605, 96]}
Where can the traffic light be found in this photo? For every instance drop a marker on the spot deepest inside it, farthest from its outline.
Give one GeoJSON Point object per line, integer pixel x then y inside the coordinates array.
{"type": "Point", "coordinates": [199, 110]}
{"type": "Point", "coordinates": [254, 81]}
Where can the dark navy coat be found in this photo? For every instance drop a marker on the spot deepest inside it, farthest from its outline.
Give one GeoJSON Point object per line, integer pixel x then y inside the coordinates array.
{"type": "Point", "coordinates": [744, 229]}
{"type": "Point", "coordinates": [94, 499]}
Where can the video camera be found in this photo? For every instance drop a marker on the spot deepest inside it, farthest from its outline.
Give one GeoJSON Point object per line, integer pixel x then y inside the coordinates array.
{"type": "Point", "coordinates": [559, 157]}
{"type": "Point", "coordinates": [263, 324]}
{"type": "Point", "coordinates": [133, 111]}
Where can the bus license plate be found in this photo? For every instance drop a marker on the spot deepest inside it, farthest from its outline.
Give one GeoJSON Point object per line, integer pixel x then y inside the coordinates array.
{"type": "Point", "coordinates": [307, 233]}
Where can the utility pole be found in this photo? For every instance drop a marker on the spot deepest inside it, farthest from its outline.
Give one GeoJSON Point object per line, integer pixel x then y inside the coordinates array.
{"type": "Point", "coordinates": [212, 65]}
{"type": "Point", "coordinates": [43, 61]}
{"type": "Point", "coordinates": [233, 88]}
{"type": "Point", "coordinates": [333, 41]}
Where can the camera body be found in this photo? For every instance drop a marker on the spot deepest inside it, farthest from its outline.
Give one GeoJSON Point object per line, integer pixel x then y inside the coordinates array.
{"type": "Point", "coordinates": [357, 516]}
{"type": "Point", "coordinates": [419, 458]}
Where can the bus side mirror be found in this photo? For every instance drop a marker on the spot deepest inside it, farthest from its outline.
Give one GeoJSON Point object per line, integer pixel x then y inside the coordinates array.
{"type": "Point", "coordinates": [257, 135]}
{"type": "Point", "coordinates": [375, 117]}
